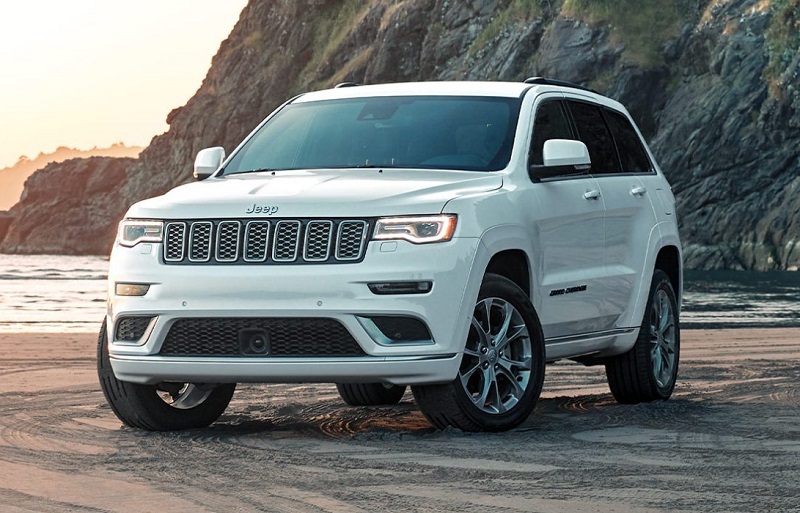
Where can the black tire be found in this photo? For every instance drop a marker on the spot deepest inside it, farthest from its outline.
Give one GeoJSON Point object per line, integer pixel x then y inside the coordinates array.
{"type": "Point", "coordinates": [633, 376]}
{"type": "Point", "coordinates": [141, 406]}
{"type": "Point", "coordinates": [486, 358]}
{"type": "Point", "coordinates": [370, 394]}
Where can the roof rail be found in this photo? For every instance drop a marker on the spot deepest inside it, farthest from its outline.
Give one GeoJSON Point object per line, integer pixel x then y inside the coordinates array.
{"type": "Point", "coordinates": [346, 84]}
{"type": "Point", "coordinates": [562, 83]}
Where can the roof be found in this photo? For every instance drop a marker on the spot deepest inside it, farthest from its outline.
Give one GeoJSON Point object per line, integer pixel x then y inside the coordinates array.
{"type": "Point", "coordinates": [463, 88]}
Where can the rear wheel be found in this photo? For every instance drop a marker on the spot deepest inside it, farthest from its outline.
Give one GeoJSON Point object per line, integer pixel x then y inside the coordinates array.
{"type": "Point", "coordinates": [502, 369]}
{"type": "Point", "coordinates": [163, 407]}
{"type": "Point", "coordinates": [649, 370]}
{"type": "Point", "coordinates": [370, 394]}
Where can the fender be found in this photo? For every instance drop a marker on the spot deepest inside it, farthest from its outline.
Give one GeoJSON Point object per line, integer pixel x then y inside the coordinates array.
{"type": "Point", "coordinates": [494, 240]}
{"type": "Point", "coordinates": [661, 235]}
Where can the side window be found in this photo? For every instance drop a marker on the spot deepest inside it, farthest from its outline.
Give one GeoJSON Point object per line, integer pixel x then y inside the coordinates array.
{"type": "Point", "coordinates": [631, 152]}
{"type": "Point", "coordinates": [593, 132]}
{"type": "Point", "coordinates": [550, 123]}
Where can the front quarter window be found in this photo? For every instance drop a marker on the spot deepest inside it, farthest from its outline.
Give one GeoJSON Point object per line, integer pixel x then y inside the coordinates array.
{"type": "Point", "coordinates": [466, 133]}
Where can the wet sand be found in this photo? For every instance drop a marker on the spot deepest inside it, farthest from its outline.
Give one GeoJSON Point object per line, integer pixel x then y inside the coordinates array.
{"type": "Point", "coordinates": [728, 440]}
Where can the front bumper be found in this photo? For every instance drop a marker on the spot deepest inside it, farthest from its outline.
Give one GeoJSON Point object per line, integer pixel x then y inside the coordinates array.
{"type": "Point", "coordinates": [395, 370]}
{"type": "Point", "coordinates": [334, 291]}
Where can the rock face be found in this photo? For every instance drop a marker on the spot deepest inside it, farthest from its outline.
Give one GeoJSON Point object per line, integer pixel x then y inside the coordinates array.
{"type": "Point", "coordinates": [70, 207]}
{"type": "Point", "coordinates": [713, 85]}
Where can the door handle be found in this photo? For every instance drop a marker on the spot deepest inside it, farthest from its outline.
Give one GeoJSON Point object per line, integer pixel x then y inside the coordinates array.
{"type": "Point", "coordinates": [591, 195]}
{"type": "Point", "coordinates": [638, 190]}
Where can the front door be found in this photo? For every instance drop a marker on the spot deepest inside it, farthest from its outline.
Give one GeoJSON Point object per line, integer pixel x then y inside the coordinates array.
{"type": "Point", "coordinates": [566, 219]}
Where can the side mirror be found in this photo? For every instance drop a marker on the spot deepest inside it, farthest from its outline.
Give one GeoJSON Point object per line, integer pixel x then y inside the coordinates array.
{"type": "Point", "coordinates": [563, 157]}
{"type": "Point", "coordinates": [208, 161]}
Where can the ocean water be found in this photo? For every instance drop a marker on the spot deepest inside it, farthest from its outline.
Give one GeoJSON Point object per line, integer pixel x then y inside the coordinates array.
{"type": "Point", "coordinates": [52, 293]}
{"type": "Point", "coordinates": [56, 293]}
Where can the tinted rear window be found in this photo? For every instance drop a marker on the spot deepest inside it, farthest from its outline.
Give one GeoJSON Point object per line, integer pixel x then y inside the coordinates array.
{"type": "Point", "coordinates": [631, 152]}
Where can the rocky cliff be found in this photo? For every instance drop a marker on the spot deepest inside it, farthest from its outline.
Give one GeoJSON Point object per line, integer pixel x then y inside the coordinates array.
{"type": "Point", "coordinates": [713, 84]}
{"type": "Point", "coordinates": [12, 178]}
{"type": "Point", "coordinates": [69, 207]}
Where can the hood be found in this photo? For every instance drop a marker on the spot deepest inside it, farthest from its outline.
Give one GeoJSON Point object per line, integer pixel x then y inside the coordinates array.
{"type": "Point", "coordinates": [323, 193]}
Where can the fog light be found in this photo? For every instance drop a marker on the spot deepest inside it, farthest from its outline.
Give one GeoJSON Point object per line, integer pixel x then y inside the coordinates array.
{"type": "Point", "coordinates": [131, 289]}
{"type": "Point", "coordinates": [401, 287]}
{"type": "Point", "coordinates": [396, 330]}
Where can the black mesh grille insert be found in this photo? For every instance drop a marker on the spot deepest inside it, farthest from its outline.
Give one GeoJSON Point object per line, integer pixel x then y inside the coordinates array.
{"type": "Point", "coordinates": [318, 241]}
{"type": "Point", "coordinates": [256, 237]}
{"type": "Point", "coordinates": [131, 328]}
{"type": "Point", "coordinates": [227, 241]}
{"type": "Point", "coordinates": [287, 238]}
{"type": "Point", "coordinates": [301, 337]}
{"type": "Point", "coordinates": [351, 239]}
{"type": "Point", "coordinates": [174, 239]}
{"type": "Point", "coordinates": [200, 242]}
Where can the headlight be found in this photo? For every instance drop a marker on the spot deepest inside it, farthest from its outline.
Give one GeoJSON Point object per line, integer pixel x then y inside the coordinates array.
{"type": "Point", "coordinates": [419, 230]}
{"type": "Point", "coordinates": [132, 233]}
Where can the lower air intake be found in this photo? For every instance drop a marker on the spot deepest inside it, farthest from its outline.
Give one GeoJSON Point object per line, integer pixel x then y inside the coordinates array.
{"type": "Point", "coordinates": [287, 337]}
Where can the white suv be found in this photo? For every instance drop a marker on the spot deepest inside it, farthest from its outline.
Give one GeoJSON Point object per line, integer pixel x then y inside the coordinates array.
{"type": "Point", "coordinates": [451, 236]}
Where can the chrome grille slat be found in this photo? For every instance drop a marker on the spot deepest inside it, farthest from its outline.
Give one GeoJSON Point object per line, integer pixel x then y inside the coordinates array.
{"type": "Point", "coordinates": [317, 245]}
{"type": "Point", "coordinates": [200, 241]}
{"type": "Point", "coordinates": [265, 241]}
{"type": "Point", "coordinates": [174, 241]}
{"type": "Point", "coordinates": [287, 238]}
{"type": "Point", "coordinates": [350, 239]}
{"type": "Point", "coordinates": [227, 249]}
{"type": "Point", "coordinates": [256, 241]}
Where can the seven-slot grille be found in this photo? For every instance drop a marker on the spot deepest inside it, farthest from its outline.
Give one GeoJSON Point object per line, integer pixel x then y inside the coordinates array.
{"type": "Point", "coordinates": [276, 241]}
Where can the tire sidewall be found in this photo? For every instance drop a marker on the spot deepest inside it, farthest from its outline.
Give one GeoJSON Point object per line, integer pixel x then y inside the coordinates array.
{"type": "Point", "coordinates": [503, 288]}
{"type": "Point", "coordinates": [661, 282]}
{"type": "Point", "coordinates": [140, 406]}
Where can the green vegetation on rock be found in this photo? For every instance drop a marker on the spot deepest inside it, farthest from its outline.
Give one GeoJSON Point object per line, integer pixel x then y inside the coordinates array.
{"type": "Point", "coordinates": [783, 44]}
{"type": "Point", "coordinates": [331, 26]}
{"type": "Point", "coordinates": [642, 26]}
{"type": "Point", "coordinates": [517, 11]}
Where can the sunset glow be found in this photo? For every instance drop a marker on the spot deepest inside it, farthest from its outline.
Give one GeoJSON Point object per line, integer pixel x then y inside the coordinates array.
{"type": "Point", "coordinates": [90, 73]}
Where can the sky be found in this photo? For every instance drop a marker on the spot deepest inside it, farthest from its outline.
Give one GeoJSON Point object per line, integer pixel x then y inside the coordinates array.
{"type": "Point", "coordinates": [85, 73]}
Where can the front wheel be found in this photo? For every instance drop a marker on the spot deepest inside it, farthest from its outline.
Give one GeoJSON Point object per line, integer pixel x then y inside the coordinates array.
{"type": "Point", "coordinates": [649, 370]}
{"type": "Point", "coordinates": [502, 369]}
{"type": "Point", "coordinates": [163, 407]}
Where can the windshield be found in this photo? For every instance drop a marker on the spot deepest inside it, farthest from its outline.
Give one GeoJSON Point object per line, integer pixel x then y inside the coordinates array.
{"type": "Point", "coordinates": [469, 133]}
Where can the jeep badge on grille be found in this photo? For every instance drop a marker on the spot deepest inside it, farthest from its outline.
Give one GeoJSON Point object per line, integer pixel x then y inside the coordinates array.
{"type": "Point", "coordinates": [262, 209]}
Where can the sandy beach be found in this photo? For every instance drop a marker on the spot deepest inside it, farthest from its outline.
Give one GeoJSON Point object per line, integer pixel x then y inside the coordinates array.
{"type": "Point", "coordinates": [728, 440]}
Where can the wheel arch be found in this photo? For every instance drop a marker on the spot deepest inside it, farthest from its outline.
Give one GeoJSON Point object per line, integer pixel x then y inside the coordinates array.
{"type": "Point", "coordinates": [508, 251]}
{"type": "Point", "coordinates": [669, 261]}
{"type": "Point", "coordinates": [514, 265]}
{"type": "Point", "coordinates": [500, 246]}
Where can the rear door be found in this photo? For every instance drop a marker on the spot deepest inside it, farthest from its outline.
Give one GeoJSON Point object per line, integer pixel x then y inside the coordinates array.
{"type": "Point", "coordinates": [618, 163]}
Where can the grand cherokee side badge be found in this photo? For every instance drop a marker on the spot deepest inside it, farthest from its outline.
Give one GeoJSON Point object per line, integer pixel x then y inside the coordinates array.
{"type": "Point", "coordinates": [262, 209]}
{"type": "Point", "coordinates": [568, 290]}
